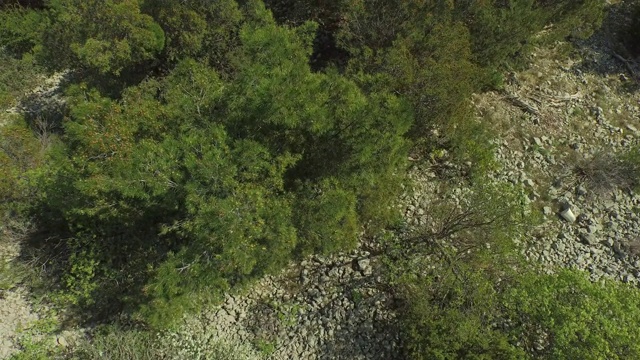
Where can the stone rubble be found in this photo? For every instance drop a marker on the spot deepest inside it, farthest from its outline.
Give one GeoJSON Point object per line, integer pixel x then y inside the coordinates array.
{"type": "Point", "coordinates": [594, 231]}
{"type": "Point", "coordinates": [322, 308]}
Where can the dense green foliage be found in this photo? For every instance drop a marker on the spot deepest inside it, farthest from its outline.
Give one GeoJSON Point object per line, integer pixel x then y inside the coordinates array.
{"type": "Point", "coordinates": [21, 153]}
{"type": "Point", "coordinates": [192, 179]}
{"type": "Point", "coordinates": [562, 316]}
{"type": "Point", "coordinates": [202, 30]}
{"type": "Point", "coordinates": [21, 29]}
{"type": "Point", "coordinates": [103, 36]}
{"type": "Point", "coordinates": [17, 77]}
{"type": "Point", "coordinates": [205, 143]}
{"type": "Point", "coordinates": [451, 276]}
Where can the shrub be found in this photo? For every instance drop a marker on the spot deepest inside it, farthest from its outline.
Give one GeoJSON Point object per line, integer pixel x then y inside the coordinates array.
{"type": "Point", "coordinates": [468, 295]}
{"type": "Point", "coordinates": [450, 313]}
{"type": "Point", "coordinates": [566, 316]}
{"type": "Point", "coordinates": [202, 30]}
{"type": "Point", "coordinates": [562, 316]}
{"type": "Point", "coordinates": [21, 153]}
{"type": "Point", "coordinates": [17, 77]}
{"type": "Point", "coordinates": [194, 183]}
{"type": "Point", "coordinates": [113, 342]}
{"type": "Point", "coordinates": [105, 37]}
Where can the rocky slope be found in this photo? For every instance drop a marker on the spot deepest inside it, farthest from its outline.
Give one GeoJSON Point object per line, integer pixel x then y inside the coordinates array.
{"type": "Point", "coordinates": [15, 310]}
{"type": "Point", "coordinates": [564, 156]}
{"type": "Point", "coordinates": [322, 308]}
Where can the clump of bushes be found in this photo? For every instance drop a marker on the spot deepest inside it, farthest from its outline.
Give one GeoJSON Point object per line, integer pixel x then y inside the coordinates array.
{"type": "Point", "coordinates": [200, 150]}
{"type": "Point", "coordinates": [194, 182]}
{"type": "Point", "coordinates": [17, 76]}
{"type": "Point", "coordinates": [467, 294]}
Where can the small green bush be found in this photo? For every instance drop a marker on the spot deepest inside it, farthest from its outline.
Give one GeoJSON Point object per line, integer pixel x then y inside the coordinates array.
{"type": "Point", "coordinates": [17, 77]}
{"type": "Point", "coordinates": [488, 304]}
{"type": "Point", "coordinates": [36, 340]}
{"type": "Point", "coordinates": [21, 30]}
{"type": "Point", "coordinates": [562, 316]}
{"type": "Point", "coordinates": [163, 193]}
{"type": "Point", "coordinates": [105, 37]}
{"type": "Point", "coordinates": [469, 296]}
{"type": "Point", "coordinates": [21, 153]}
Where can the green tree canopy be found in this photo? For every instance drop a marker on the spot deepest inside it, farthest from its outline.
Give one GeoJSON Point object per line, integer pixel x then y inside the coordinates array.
{"type": "Point", "coordinates": [223, 179]}
{"type": "Point", "coordinates": [197, 29]}
{"type": "Point", "coordinates": [104, 36]}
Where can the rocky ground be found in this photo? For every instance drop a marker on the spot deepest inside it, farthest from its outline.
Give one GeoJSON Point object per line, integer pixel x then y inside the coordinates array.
{"type": "Point", "coordinates": [16, 314]}
{"type": "Point", "coordinates": [322, 308]}
{"type": "Point", "coordinates": [565, 154]}
{"type": "Point", "coordinates": [15, 310]}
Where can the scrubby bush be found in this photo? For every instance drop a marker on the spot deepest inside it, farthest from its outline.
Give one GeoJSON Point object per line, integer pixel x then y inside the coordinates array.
{"type": "Point", "coordinates": [468, 295]}
{"type": "Point", "coordinates": [20, 153]}
{"type": "Point", "coordinates": [21, 30]}
{"type": "Point", "coordinates": [454, 318]}
{"type": "Point", "coordinates": [448, 273]}
{"type": "Point", "coordinates": [202, 30]}
{"type": "Point", "coordinates": [105, 37]}
{"type": "Point", "coordinates": [606, 172]}
{"type": "Point", "coordinates": [562, 316]}
{"type": "Point", "coordinates": [502, 31]}
{"type": "Point", "coordinates": [17, 77]}
{"type": "Point", "coordinates": [567, 316]}
{"type": "Point", "coordinates": [436, 53]}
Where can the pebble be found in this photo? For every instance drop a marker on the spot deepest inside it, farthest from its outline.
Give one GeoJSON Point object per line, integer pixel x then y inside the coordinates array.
{"type": "Point", "coordinates": [568, 215]}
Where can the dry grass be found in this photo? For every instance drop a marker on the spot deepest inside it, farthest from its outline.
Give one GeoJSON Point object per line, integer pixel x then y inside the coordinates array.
{"type": "Point", "coordinates": [605, 172]}
{"type": "Point", "coordinates": [634, 247]}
